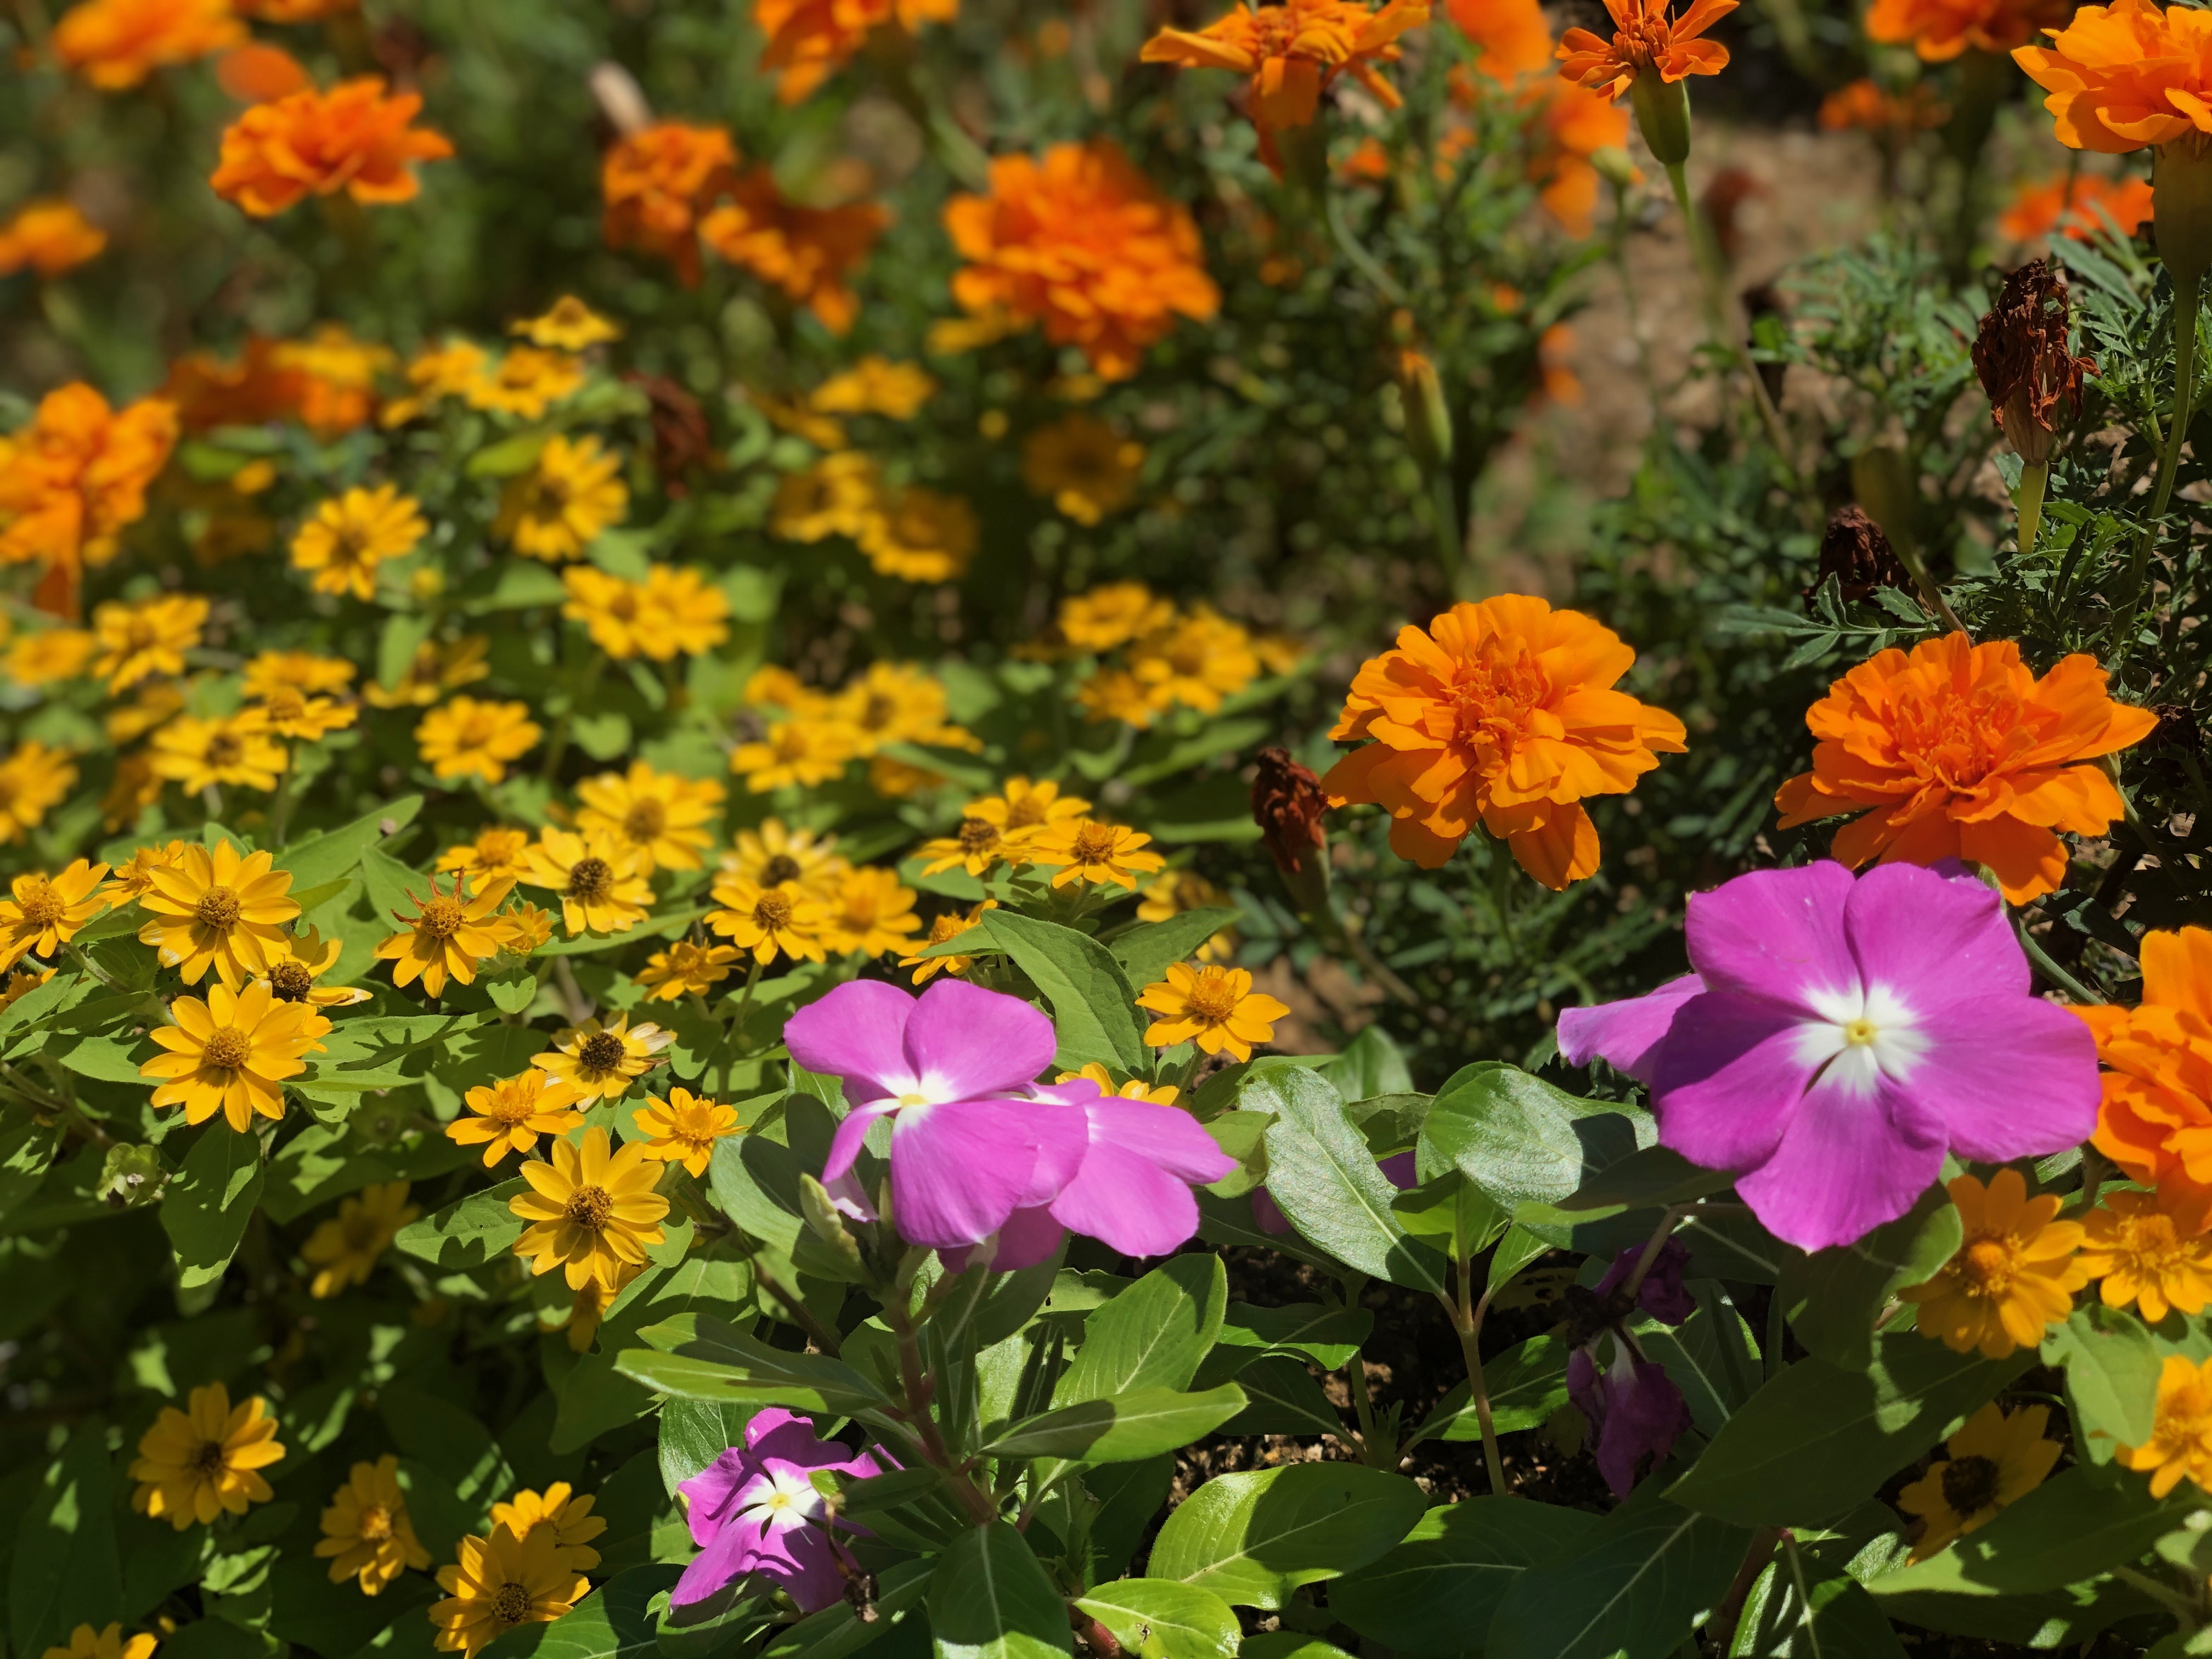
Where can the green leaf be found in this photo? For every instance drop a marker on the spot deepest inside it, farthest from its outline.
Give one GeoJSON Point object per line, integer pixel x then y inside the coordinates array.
{"type": "Point", "coordinates": [1325, 1179]}
{"type": "Point", "coordinates": [1452, 1213]}
{"type": "Point", "coordinates": [1833, 1297]}
{"type": "Point", "coordinates": [1525, 1383]}
{"type": "Point", "coordinates": [615, 1621]}
{"type": "Point", "coordinates": [1521, 1141]}
{"type": "Point", "coordinates": [1129, 1497]}
{"type": "Point", "coordinates": [756, 1182]}
{"type": "Point", "coordinates": [1145, 951]}
{"type": "Point", "coordinates": [110, 1058]}
{"type": "Point", "coordinates": [1253, 1537]}
{"type": "Point", "coordinates": [989, 1599]}
{"type": "Point", "coordinates": [594, 1398]}
{"type": "Point", "coordinates": [393, 888]}
{"type": "Point", "coordinates": [2111, 1366]}
{"type": "Point", "coordinates": [469, 1232]}
{"type": "Point", "coordinates": [1371, 1065]}
{"type": "Point", "coordinates": [1819, 1437]}
{"type": "Point", "coordinates": [1158, 1619]}
{"type": "Point", "coordinates": [1842, 1621]}
{"type": "Point", "coordinates": [1515, 1251]}
{"type": "Point", "coordinates": [64, 1571]}
{"type": "Point", "coordinates": [1328, 1335]}
{"type": "Point", "coordinates": [695, 1432]}
{"type": "Point", "coordinates": [1281, 1397]}
{"type": "Point", "coordinates": [2074, 1525]}
{"type": "Point", "coordinates": [1137, 1422]}
{"type": "Point", "coordinates": [1937, 1595]}
{"type": "Point", "coordinates": [1628, 1591]}
{"type": "Point", "coordinates": [837, 1630]}
{"type": "Point", "coordinates": [1094, 1010]}
{"type": "Point", "coordinates": [321, 859]}
{"type": "Point", "coordinates": [1710, 1356]}
{"type": "Point", "coordinates": [697, 1357]}
{"type": "Point", "coordinates": [207, 1206]}
{"type": "Point", "coordinates": [1443, 1583]}
{"type": "Point", "coordinates": [443, 1436]}
{"type": "Point", "coordinates": [1153, 1334]}
{"type": "Point", "coordinates": [1646, 1179]}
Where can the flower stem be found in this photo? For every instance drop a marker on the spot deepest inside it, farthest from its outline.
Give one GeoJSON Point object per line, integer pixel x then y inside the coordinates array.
{"type": "Point", "coordinates": [1467, 1320]}
{"type": "Point", "coordinates": [2027, 499]}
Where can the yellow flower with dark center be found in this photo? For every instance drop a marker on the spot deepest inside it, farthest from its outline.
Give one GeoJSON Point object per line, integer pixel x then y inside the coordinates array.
{"type": "Point", "coordinates": [135, 875]}
{"type": "Point", "coordinates": [570, 325]}
{"type": "Point", "coordinates": [949, 925]}
{"type": "Point", "coordinates": [512, 1112]}
{"type": "Point", "coordinates": [365, 1530]}
{"type": "Point", "coordinates": [873, 913]}
{"type": "Point", "coordinates": [498, 852]}
{"type": "Point", "coordinates": [921, 536]}
{"type": "Point", "coordinates": [306, 957]}
{"type": "Point", "coordinates": [347, 536]}
{"type": "Point", "coordinates": [589, 1305]}
{"type": "Point", "coordinates": [215, 909]}
{"type": "Point", "coordinates": [796, 752]}
{"type": "Point", "coordinates": [685, 969]}
{"type": "Point", "coordinates": [769, 919]}
{"type": "Point", "coordinates": [898, 702]}
{"type": "Point", "coordinates": [656, 817]}
{"type": "Point", "coordinates": [1085, 849]}
{"type": "Point", "coordinates": [1998, 1458]}
{"type": "Point", "coordinates": [612, 611]}
{"type": "Point", "coordinates": [1086, 467]}
{"type": "Point", "coordinates": [775, 856]}
{"type": "Point", "coordinates": [236, 752]}
{"type": "Point", "coordinates": [305, 672]}
{"type": "Point", "coordinates": [1198, 662]}
{"type": "Point", "coordinates": [841, 495]}
{"type": "Point", "coordinates": [875, 385]}
{"type": "Point", "coordinates": [975, 845]}
{"type": "Point", "coordinates": [1215, 1006]}
{"type": "Point", "coordinates": [601, 888]}
{"type": "Point", "coordinates": [132, 789]}
{"type": "Point", "coordinates": [466, 738]}
{"type": "Point", "coordinates": [205, 1460]}
{"type": "Point", "coordinates": [344, 1250]}
{"type": "Point", "coordinates": [231, 1053]}
{"type": "Point", "coordinates": [2015, 1276]}
{"type": "Point", "coordinates": [525, 382]}
{"type": "Point", "coordinates": [291, 713]}
{"type": "Point", "coordinates": [682, 614]}
{"type": "Point", "coordinates": [685, 1128]}
{"type": "Point", "coordinates": [449, 934]}
{"type": "Point", "coordinates": [138, 641]}
{"type": "Point", "coordinates": [525, 929]}
{"type": "Point", "coordinates": [437, 667]}
{"type": "Point", "coordinates": [1022, 807]}
{"type": "Point", "coordinates": [50, 656]}
{"type": "Point", "coordinates": [1159, 1094]}
{"type": "Point", "coordinates": [1173, 892]}
{"type": "Point", "coordinates": [2180, 1441]}
{"type": "Point", "coordinates": [601, 1060]}
{"type": "Point", "coordinates": [1116, 694]}
{"type": "Point", "coordinates": [563, 503]}
{"type": "Point", "coordinates": [86, 1642]}
{"type": "Point", "coordinates": [2140, 1248]}
{"type": "Point", "coordinates": [592, 1212]}
{"type": "Point", "coordinates": [33, 779]}
{"type": "Point", "coordinates": [569, 1517]}
{"type": "Point", "coordinates": [44, 913]}
{"type": "Point", "coordinates": [499, 1582]}
{"type": "Point", "coordinates": [1112, 614]}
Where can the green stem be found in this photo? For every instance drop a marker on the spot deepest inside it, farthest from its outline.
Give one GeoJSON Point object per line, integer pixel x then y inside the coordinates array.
{"type": "Point", "coordinates": [2186, 287]}
{"type": "Point", "coordinates": [1451, 538]}
{"type": "Point", "coordinates": [2034, 477]}
{"type": "Point", "coordinates": [2165, 1596]}
{"type": "Point", "coordinates": [1467, 1321]}
{"type": "Point", "coordinates": [2049, 968]}
{"type": "Point", "coordinates": [1356, 251]}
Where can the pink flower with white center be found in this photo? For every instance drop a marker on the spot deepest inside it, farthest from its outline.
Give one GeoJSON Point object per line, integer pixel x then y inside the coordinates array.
{"type": "Point", "coordinates": [754, 1511]}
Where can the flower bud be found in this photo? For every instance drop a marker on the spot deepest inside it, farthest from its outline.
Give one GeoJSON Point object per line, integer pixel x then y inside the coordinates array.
{"type": "Point", "coordinates": [2021, 356]}
{"type": "Point", "coordinates": [1288, 804]}
{"type": "Point", "coordinates": [1615, 166]}
{"type": "Point", "coordinates": [1428, 418]}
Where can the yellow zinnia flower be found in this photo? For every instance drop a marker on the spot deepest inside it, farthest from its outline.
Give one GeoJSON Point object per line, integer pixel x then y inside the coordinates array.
{"type": "Point", "coordinates": [1085, 849]}
{"type": "Point", "coordinates": [656, 816]}
{"type": "Point", "coordinates": [1021, 806]}
{"type": "Point", "coordinates": [588, 1306]}
{"type": "Point", "coordinates": [54, 654]}
{"type": "Point", "coordinates": [800, 750]}
{"type": "Point", "coordinates": [563, 503]}
{"type": "Point", "coordinates": [2138, 1246]}
{"type": "Point", "coordinates": [367, 1532]}
{"type": "Point", "coordinates": [33, 779]}
{"type": "Point", "coordinates": [525, 382]}
{"type": "Point", "coordinates": [567, 1516]}
{"type": "Point", "coordinates": [875, 385]}
{"type": "Point", "coordinates": [2181, 1429]}
{"type": "Point", "coordinates": [602, 1060]}
{"type": "Point", "coordinates": [681, 613]}
{"type": "Point", "coordinates": [291, 713]}
{"type": "Point", "coordinates": [466, 736]}
{"type": "Point", "coordinates": [612, 611]}
{"type": "Point", "coordinates": [1173, 892]}
{"type": "Point", "coordinates": [768, 920]}
{"type": "Point", "coordinates": [686, 970]}
{"type": "Point", "coordinates": [2015, 1276]}
{"type": "Point", "coordinates": [975, 844]}
{"type": "Point", "coordinates": [306, 957]}
{"type": "Point", "coordinates": [775, 856]}
{"type": "Point", "coordinates": [86, 1642]}
{"type": "Point", "coordinates": [899, 702]}
{"type": "Point", "coordinates": [217, 908]}
{"type": "Point", "coordinates": [236, 752]}
{"type": "Point", "coordinates": [1198, 662]}
{"type": "Point", "coordinates": [512, 1112]}
{"type": "Point", "coordinates": [498, 1584]}
{"type": "Point", "coordinates": [1217, 1006]}
{"type": "Point", "coordinates": [44, 913]}
{"type": "Point", "coordinates": [139, 641]}
{"type": "Point", "coordinates": [600, 884]}
{"type": "Point", "coordinates": [568, 326]}
{"type": "Point", "coordinates": [838, 495]}
{"type": "Point", "coordinates": [949, 925]}
{"type": "Point", "coordinates": [1998, 1458]}
{"type": "Point", "coordinates": [1160, 1094]}
{"type": "Point", "coordinates": [436, 668]}
{"type": "Point", "coordinates": [343, 1250]}
{"type": "Point", "coordinates": [920, 535]}
{"type": "Point", "coordinates": [592, 1211]}
{"type": "Point", "coordinates": [1110, 615]}
{"type": "Point", "coordinates": [135, 875]}
{"type": "Point", "coordinates": [685, 1128]}
{"type": "Point", "coordinates": [205, 1460]}
{"type": "Point", "coordinates": [272, 672]}
{"type": "Point", "coordinates": [874, 913]}
{"type": "Point", "coordinates": [347, 536]}
{"type": "Point", "coordinates": [1088, 469]}
{"type": "Point", "coordinates": [499, 852]}
{"type": "Point", "coordinates": [231, 1053]}
{"type": "Point", "coordinates": [449, 934]}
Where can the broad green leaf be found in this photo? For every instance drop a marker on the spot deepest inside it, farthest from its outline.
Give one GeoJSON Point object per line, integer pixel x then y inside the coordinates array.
{"type": "Point", "coordinates": [1323, 1177]}
{"type": "Point", "coordinates": [1158, 1619]}
{"type": "Point", "coordinates": [64, 1571]}
{"type": "Point", "coordinates": [1253, 1537]}
{"type": "Point", "coordinates": [307, 1608]}
{"type": "Point", "coordinates": [1437, 1589]}
{"type": "Point", "coordinates": [1145, 951]}
{"type": "Point", "coordinates": [110, 1058]}
{"type": "Point", "coordinates": [989, 1599]}
{"type": "Point", "coordinates": [595, 1398]}
{"type": "Point", "coordinates": [1129, 1497]}
{"type": "Point", "coordinates": [1094, 1009]}
{"type": "Point", "coordinates": [1452, 1213]}
{"type": "Point", "coordinates": [444, 1436]}
{"type": "Point", "coordinates": [2074, 1525]}
{"type": "Point", "coordinates": [1326, 1335]}
{"type": "Point", "coordinates": [837, 1630]}
{"type": "Point", "coordinates": [1817, 1438]}
{"type": "Point", "coordinates": [207, 1206]}
{"type": "Point", "coordinates": [2111, 1367]}
{"type": "Point", "coordinates": [1832, 1296]}
{"type": "Point", "coordinates": [1281, 1397]}
{"type": "Point", "coordinates": [1515, 1251]}
{"type": "Point", "coordinates": [697, 1357]}
{"type": "Point", "coordinates": [1833, 1619]}
{"type": "Point", "coordinates": [332, 856]}
{"type": "Point", "coordinates": [1937, 1595]}
{"type": "Point", "coordinates": [1371, 1065]}
{"type": "Point", "coordinates": [694, 1433]}
{"type": "Point", "coordinates": [1132, 1423]}
{"type": "Point", "coordinates": [469, 1232]}
{"type": "Point", "coordinates": [1646, 1179]}
{"type": "Point", "coordinates": [1526, 1385]}
{"type": "Point", "coordinates": [1521, 1141]}
{"type": "Point", "coordinates": [1153, 1334]}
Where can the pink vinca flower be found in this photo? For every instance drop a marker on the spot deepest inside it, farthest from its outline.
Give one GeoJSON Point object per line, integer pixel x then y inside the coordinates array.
{"type": "Point", "coordinates": [1839, 1036]}
{"type": "Point", "coordinates": [953, 1069]}
{"type": "Point", "coordinates": [754, 1511]}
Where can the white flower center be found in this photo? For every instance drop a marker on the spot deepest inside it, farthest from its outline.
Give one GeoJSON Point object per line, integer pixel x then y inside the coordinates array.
{"type": "Point", "coordinates": [1861, 1035]}
{"type": "Point", "coordinates": [781, 1500]}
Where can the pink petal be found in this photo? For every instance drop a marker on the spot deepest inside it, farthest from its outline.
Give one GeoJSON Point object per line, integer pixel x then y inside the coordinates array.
{"type": "Point", "coordinates": [1625, 1035]}
{"type": "Point", "coordinates": [1128, 1201]}
{"type": "Point", "coordinates": [1848, 1163]}
{"type": "Point", "coordinates": [1933, 941]}
{"type": "Point", "coordinates": [2010, 1077]}
{"type": "Point", "coordinates": [857, 1033]}
{"type": "Point", "coordinates": [958, 1171]}
{"type": "Point", "coordinates": [1729, 1080]}
{"type": "Point", "coordinates": [845, 1144]}
{"type": "Point", "coordinates": [967, 1043]}
{"type": "Point", "coordinates": [1774, 934]}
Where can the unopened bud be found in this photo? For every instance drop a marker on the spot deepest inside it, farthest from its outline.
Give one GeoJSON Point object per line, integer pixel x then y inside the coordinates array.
{"type": "Point", "coordinates": [1288, 804]}
{"type": "Point", "coordinates": [820, 1211]}
{"type": "Point", "coordinates": [1428, 418]}
{"type": "Point", "coordinates": [2021, 354]}
{"type": "Point", "coordinates": [1615, 166]}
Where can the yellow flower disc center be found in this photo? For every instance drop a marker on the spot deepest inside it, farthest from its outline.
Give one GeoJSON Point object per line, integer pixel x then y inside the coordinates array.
{"type": "Point", "coordinates": [375, 1523]}
{"type": "Point", "coordinates": [226, 1050]}
{"type": "Point", "coordinates": [1987, 1265]}
{"type": "Point", "coordinates": [218, 908]}
{"type": "Point", "coordinates": [773, 910]}
{"type": "Point", "coordinates": [780, 869]}
{"type": "Point", "coordinates": [590, 880]}
{"type": "Point", "coordinates": [510, 1603]}
{"type": "Point", "coordinates": [976, 834]}
{"type": "Point", "coordinates": [591, 1207]}
{"type": "Point", "coordinates": [206, 1458]}
{"type": "Point", "coordinates": [1093, 844]}
{"type": "Point", "coordinates": [1860, 1033]}
{"type": "Point", "coordinates": [224, 750]}
{"type": "Point", "coordinates": [441, 918]}
{"type": "Point", "coordinates": [602, 1051]}
{"type": "Point", "coordinates": [290, 981]}
{"type": "Point", "coordinates": [42, 905]}
{"type": "Point", "coordinates": [1213, 998]}
{"type": "Point", "coordinates": [645, 821]}
{"type": "Point", "coordinates": [1970, 1485]}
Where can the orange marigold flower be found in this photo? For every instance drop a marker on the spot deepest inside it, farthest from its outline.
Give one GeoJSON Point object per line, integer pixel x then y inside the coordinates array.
{"type": "Point", "coordinates": [1645, 37]}
{"type": "Point", "coordinates": [1865, 105]}
{"type": "Point", "coordinates": [807, 251]}
{"type": "Point", "coordinates": [2077, 211]}
{"type": "Point", "coordinates": [1964, 754]}
{"type": "Point", "coordinates": [116, 44]}
{"type": "Point", "coordinates": [659, 184]}
{"type": "Point", "coordinates": [72, 479]}
{"type": "Point", "coordinates": [1082, 242]}
{"type": "Point", "coordinates": [809, 41]}
{"type": "Point", "coordinates": [2124, 75]}
{"type": "Point", "coordinates": [49, 237]}
{"type": "Point", "coordinates": [209, 392]}
{"type": "Point", "coordinates": [1939, 30]}
{"type": "Point", "coordinates": [1502, 714]}
{"type": "Point", "coordinates": [1293, 51]}
{"type": "Point", "coordinates": [355, 138]}
{"type": "Point", "coordinates": [2155, 1122]}
{"type": "Point", "coordinates": [1515, 39]}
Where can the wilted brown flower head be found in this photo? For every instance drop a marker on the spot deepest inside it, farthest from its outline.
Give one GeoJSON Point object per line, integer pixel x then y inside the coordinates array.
{"type": "Point", "coordinates": [2021, 355]}
{"type": "Point", "coordinates": [1856, 553]}
{"type": "Point", "coordinates": [1287, 802]}
{"type": "Point", "coordinates": [681, 438]}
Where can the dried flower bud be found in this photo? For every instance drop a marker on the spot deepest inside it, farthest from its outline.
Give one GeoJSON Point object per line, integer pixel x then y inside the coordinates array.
{"type": "Point", "coordinates": [1287, 802]}
{"type": "Point", "coordinates": [681, 438]}
{"type": "Point", "coordinates": [2025, 368]}
{"type": "Point", "coordinates": [1859, 556]}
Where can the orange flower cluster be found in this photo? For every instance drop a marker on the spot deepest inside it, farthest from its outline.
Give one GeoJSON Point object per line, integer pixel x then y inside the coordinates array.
{"type": "Point", "coordinates": [660, 184]}
{"type": "Point", "coordinates": [116, 44]}
{"type": "Point", "coordinates": [72, 479]}
{"type": "Point", "coordinates": [809, 41]}
{"type": "Point", "coordinates": [2078, 210]}
{"type": "Point", "coordinates": [1867, 106]}
{"type": "Point", "coordinates": [2126, 75]}
{"type": "Point", "coordinates": [1964, 753]}
{"type": "Point", "coordinates": [806, 251]}
{"type": "Point", "coordinates": [1570, 123]}
{"type": "Point", "coordinates": [2156, 1118]}
{"type": "Point", "coordinates": [1502, 715]}
{"type": "Point", "coordinates": [1292, 51]}
{"type": "Point", "coordinates": [1082, 242]}
{"type": "Point", "coordinates": [327, 381]}
{"type": "Point", "coordinates": [353, 138]}
{"type": "Point", "coordinates": [1645, 37]}
{"type": "Point", "coordinates": [1939, 30]}
{"type": "Point", "coordinates": [51, 238]}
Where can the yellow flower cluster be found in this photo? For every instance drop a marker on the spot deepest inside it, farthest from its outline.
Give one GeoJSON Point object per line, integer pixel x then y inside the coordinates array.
{"type": "Point", "coordinates": [909, 532]}
{"type": "Point", "coordinates": [811, 737]}
{"type": "Point", "coordinates": [1154, 658]}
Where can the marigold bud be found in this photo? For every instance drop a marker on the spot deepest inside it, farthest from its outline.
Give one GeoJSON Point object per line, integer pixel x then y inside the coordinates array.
{"type": "Point", "coordinates": [2021, 356]}
{"type": "Point", "coordinates": [1856, 553]}
{"type": "Point", "coordinates": [1428, 418]}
